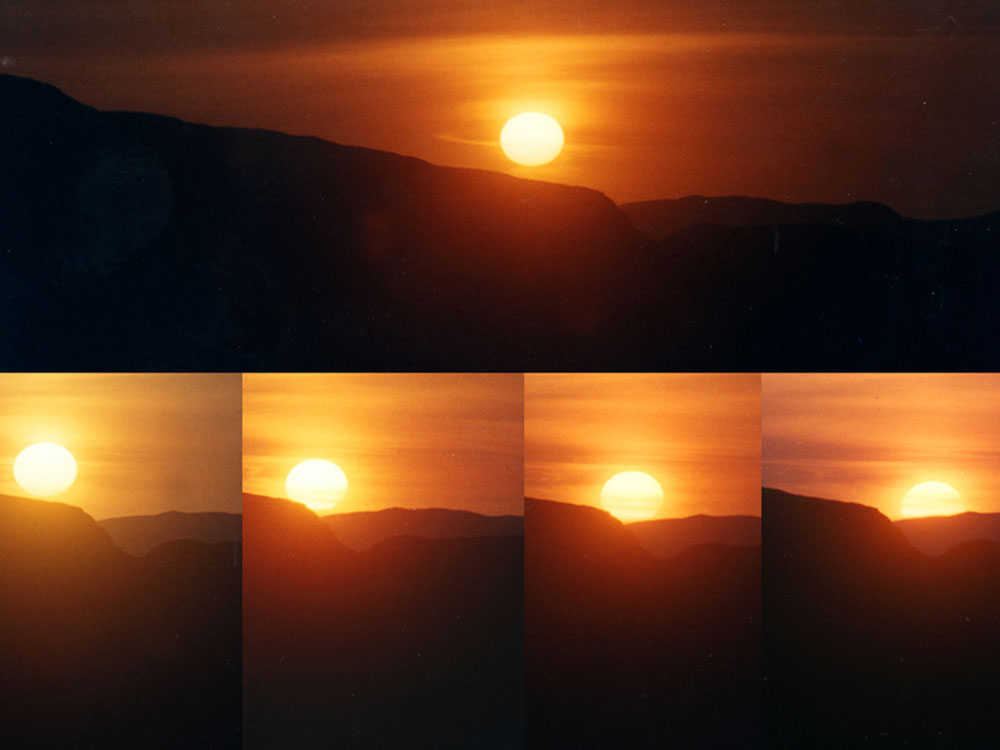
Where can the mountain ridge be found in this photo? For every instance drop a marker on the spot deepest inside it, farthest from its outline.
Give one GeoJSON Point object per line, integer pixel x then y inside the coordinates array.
{"type": "Point", "coordinates": [363, 529]}
{"type": "Point", "coordinates": [667, 537]}
{"type": "Point", "coordinates": [658, 219]}
{"type": "Point", "coordinates": [935, 535]}
{"type": "Point", "coordinates": [137, 535]}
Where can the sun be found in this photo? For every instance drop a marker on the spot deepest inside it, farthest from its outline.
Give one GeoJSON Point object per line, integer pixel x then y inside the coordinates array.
{"type": "Point", "coordinates": [632, 496]}
{"type": "Point", "coordinates": [932, 499]}
{"type": "Point", "coordinates": [317, 484]}
{"type": "Point", "coordinates": [45, 469]}
{"type": "Point", "coordinates": [531, 139]}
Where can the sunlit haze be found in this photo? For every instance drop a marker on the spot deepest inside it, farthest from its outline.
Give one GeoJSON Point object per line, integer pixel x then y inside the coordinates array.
{"type": "Point", "coordinates": [408, 440]}
{"type": "Point", "coordinates": [696, 436]}
{"type": "Point", "coordinates": [909, 445]}
{"type": "Point", "coordinates": [122, 445]}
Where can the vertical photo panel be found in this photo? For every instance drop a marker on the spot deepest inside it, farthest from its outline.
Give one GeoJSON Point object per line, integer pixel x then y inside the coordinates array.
{"type": "Point", "coordinates": [120, 561]}
{"type": "Point", "coordinates": [881, 560]}
{"type": "Point", "coordinates": [384, 579]}
{"type": "Point", "coordinates": [642, 561]}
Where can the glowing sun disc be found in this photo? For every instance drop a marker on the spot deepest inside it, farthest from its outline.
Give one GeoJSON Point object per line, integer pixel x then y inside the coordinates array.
{"type": "Point", "coordinates": [317, 484]}
{"type": "Point", "coordinates": [932, 499]}
{"type": "Point", "coordinates": [531, 139]}
{"type": "Point", "coordinates": [45, 469]}
{"type": "Point", "coordinates": [632, 496]}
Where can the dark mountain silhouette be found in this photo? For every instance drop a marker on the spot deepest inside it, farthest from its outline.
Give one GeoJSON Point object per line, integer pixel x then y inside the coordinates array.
{"type": "Point", "coordinates": [102, 649]}
{"type": "Point", "coordinates": [660, 219]}
{"type": "Point", "coordinates": [667, 537]}
{"type": "Point", "coordinates": [219, 248]}
{"type": "Point", "coordinates": [411, 643]}
{"type": "Point", "coordinates": [828, 297]}
{"type": "Point", "coordinates": [625, 650]}
{"type": "Point", "coordinates": [869, 642]}
{"type": "Point", "coordinates": [137, 535]}
{"type": "Point", "coordinates": [141, 242]}
{"type": "Point", "coordinates": [365, 529]}
{"type": "Point", "coordinates": [937, 534]}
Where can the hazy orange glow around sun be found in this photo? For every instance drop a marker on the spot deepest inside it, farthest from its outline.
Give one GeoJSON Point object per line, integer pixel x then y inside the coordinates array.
{"type": "Point", "coordinates": [632, 496]}
{"type": "Point", "coordinates": [318, 484]}
{"type": "Point", "coordinates": [644, 446]}
{"type": "Point", "coordinates": [45, 469]}
{"type": "Point", "coordinates": [908, 444]}
{"type": "Point", "coordinates": [931, 499]}
{"type": "Point", "coordinates": [531, 139]}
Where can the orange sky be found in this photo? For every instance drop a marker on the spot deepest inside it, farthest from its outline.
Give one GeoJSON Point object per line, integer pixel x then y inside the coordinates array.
{"type": "Point", "coordinates": [786, 99]}
{"type": "Point", "coordinates": [143, 443]}
{"type": "Point", "coordinates": [698, 435]}
{"type": "Point", "coordinates": [870, 438]}
{"type": "Point", "coordinates": [408, 440]}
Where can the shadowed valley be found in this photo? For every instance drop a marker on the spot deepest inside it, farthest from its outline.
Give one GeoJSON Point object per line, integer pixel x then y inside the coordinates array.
{"type": "Point", "coordinates": [106, 649]}
{"type": "Point", "coordinates": [627, 650]}
{"type": "Point", "coordinates": [142, 242]}
{"type": "Point", "coordinates": [414, 642]}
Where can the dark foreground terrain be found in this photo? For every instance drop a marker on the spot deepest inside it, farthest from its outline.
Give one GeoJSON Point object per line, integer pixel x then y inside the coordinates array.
{"type": "Point", "coordinates": [104, 650]}
{"type": "Point", "coordinates": [871, 643]}
{"type": "Point", "coordinates": [626, 650]}
{"type": "Point", "coordinates": [140, 242]}
{"type": "Point", "coordinates": [412, 643]}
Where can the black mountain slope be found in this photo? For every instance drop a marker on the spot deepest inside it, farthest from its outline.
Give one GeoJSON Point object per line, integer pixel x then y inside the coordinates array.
{"type": "Point", "coordinates": [102, 649]}
{"type": "Point", "coordinates": [141, 242]}
{"type": "Point", "coordinates": [828, 297]}
{"type": "Point", "coordinates": [142, 239]}
{"type": "Point", "coordinates": [625, 650]}
{"type": "Point", "coordinates": [867, 641]}
{"type": "Point", "coordinates": [413, 643]}
{"type": "Point", "coordinates": [660, 219]}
